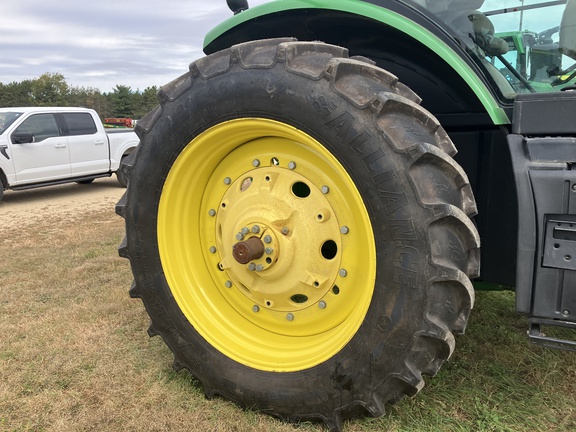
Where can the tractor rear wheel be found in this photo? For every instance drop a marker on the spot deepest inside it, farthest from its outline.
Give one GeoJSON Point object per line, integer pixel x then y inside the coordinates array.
{"type": "Point", "coordinates": [298, 231]}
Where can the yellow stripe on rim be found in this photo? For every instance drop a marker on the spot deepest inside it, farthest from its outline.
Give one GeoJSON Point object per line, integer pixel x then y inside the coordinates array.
{"type": "Point", "coordinates": [264, 190]}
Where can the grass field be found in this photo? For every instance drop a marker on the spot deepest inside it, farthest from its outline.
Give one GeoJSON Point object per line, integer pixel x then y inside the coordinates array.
{"type": "Point", "coordinates": [75, 356]}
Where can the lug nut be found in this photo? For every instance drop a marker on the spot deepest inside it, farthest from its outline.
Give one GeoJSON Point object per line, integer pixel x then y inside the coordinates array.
{"type": "Point", "coordinates": [239, 236]}
{"type": "Point", "coordinates": [256, 163]}
{"type": "Point", "coordinates": [227, 180]}
{"type": "Point", "coordinates": [292, 165]}
{"type": "Point", "coordinates": [322, 304]}
{"type": "Point", "coordinates": [344, 230]}
{"type": "Point", "coordinates": [212, 249]}
{"type": "Point", "coordinates": [228, 284]}
{"type": "Point", "coordinates": [343, 272]}
{"type": "Point", "coordinates": [245, 230]}
{"type": "Point", "coordinates": [255, 308]}
{"type": "Point", "coordinates": [251, 266]}
{"type": "Point", "coordinates": [259, 267]}
{"type": "Point", "coordinates": [285, 230]}
{"type": "Point", "coordinates": [255, 229]}
{"type": "Point", "coordinates": [290, 317]}
{"type": "Point", "coordinates": [212, 212]}
{"type": "Point", "coordinates": [325, 189]}
{"type": "Point", "coordinates": [267, 239]}
{"type": "Point", "coordinates": [269, 250]}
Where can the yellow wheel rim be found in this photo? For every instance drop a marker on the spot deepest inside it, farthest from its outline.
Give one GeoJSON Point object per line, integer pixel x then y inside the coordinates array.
{"type": "Point", "coordinates": [266, 245]}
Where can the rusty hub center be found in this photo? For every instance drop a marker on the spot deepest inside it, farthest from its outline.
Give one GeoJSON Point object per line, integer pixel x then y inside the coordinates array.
{"type": "Point", "coordinates": [248, 250]}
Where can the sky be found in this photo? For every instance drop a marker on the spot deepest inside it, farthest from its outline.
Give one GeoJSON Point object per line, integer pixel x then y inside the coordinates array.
{"type": "Point", "coordinates": [103, 43]}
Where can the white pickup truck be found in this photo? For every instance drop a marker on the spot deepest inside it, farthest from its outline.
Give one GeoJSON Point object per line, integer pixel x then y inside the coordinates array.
{"type": "Point", "coordinates": [47, 146]}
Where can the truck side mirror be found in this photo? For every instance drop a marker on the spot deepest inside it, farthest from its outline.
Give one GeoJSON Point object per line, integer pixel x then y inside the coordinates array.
{"type": "Point", "coordinates": [22, 137]}
{"type": "Point", "coordinates": [567, 32]}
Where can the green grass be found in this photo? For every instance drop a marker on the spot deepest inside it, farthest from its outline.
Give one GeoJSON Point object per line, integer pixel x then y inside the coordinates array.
{"type": "Point", "coordinates": [75, 356]}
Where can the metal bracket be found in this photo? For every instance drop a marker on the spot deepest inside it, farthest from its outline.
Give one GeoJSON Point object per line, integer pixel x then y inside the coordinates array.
{"type": "Point", "coordinates": [537, 336]}
{"type": "Point", "coordinates": [560, 242]}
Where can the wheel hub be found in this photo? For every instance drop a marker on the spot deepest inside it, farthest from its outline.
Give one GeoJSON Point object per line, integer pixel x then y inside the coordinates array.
{"type": "Point", "coordinates": [280, 241]}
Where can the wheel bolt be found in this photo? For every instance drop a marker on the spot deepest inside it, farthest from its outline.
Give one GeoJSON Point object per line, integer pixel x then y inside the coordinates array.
{"type": "Point", "coordinates": [245, 230]}
{"type": "Point", "coordinates": [269, 250]}
{"type": "Point", "coordinates": [239, 236]}
{"type": "Point", "coordinates": [212, 212]}
{"type": "Point", "coordinates": [267, 239]}
{"type": "Point", "coordinates": [259, 267]}
{"type": "Point", "coordinates": [290, 317]}
{"type": "Point", "coordinates": [212, 249]}
{"type": "Point", "coordinates": [343, 272]}
{"type": "Point", "coordinates": [344, 230]}
{"type": "Point", "coordinates": [228, 284]}
{"type": "Point", "coordinates": [322, 304]}
{"type": "Point", "coordinates": [325, 189]}
{"type": "Point", "coordinates": [285, 230]}
{"type": "Point", "coordinates": [227, 180]}
{"type": "Point", "coordinates": [292, 165]}
{"type": "Point", "coordinates": [255, 308]}
{"type": "Point", "coordinates": [256, 163]}
{"type": "Point", "coordinates": [255, 229]}
{"type": "Point", "coordinates": [251, 266]}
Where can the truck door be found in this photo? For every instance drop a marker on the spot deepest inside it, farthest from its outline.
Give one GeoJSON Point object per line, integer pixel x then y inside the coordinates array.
{"type": "Point", "coordinates": [39, 150]}
{"type": "Point", "coordinates": [89, 152]}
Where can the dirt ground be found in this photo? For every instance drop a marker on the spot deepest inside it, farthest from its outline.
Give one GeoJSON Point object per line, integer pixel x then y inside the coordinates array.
{"type": "Point", "coordinates": [63, 202]}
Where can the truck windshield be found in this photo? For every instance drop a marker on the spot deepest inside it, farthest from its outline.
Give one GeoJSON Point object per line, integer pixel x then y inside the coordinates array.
{"type": "Point", "coordinates": [7, 118]}
{"type": "Point", "coordinates": [524, 45]}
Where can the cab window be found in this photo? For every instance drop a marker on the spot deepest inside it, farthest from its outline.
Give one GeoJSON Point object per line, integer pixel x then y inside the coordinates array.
{"type": "Point", "coordinates": [41, 126]}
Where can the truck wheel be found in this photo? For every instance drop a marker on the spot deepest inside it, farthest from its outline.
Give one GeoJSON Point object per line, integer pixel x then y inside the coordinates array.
{"type": "Point", "coordinates": [298, 232]}
{"type": "Point", "coordinates": [121, 174]}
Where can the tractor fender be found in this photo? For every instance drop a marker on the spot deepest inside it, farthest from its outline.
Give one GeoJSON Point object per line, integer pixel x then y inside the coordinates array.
{"type": "Point", "coordinates": [401, 38]}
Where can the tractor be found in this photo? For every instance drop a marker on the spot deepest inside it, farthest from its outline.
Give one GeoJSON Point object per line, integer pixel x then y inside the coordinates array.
{"type": "Point", "coordinates": [305, 210]}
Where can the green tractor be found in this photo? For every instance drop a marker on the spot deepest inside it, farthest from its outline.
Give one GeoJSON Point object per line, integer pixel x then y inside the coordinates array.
{"type": "Point", "coordinates": [300, 228]}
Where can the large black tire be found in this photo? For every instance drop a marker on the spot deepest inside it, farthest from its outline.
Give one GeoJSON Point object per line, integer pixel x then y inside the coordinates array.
{"type": "Point", "coordinates": [354, 144]}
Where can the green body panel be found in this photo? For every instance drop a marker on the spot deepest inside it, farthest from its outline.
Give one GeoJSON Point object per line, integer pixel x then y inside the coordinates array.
{"type": "Point", "coordinates": [386, 17]}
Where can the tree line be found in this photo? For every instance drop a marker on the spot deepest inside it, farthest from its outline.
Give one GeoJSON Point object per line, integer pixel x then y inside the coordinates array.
{"type": "Point", "coordinates": [51, 89]}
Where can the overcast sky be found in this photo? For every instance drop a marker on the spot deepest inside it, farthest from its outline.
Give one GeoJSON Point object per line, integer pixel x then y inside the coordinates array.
{"type": "Point", "coordinates": [105, 43]}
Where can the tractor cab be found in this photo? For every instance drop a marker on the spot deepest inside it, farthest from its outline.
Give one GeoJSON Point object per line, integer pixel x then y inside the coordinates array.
{"type": "Point", "coordinates": [524, 48]}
